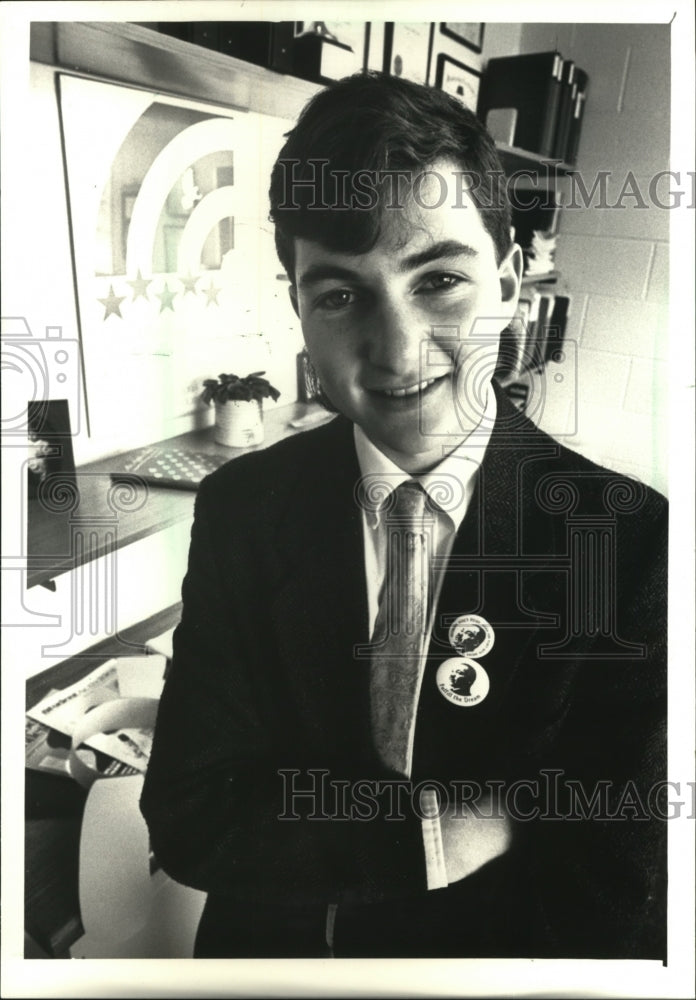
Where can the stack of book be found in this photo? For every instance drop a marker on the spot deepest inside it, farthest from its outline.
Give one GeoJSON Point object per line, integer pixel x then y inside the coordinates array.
{"type": "Point", "coordinates": [535, 102]}
{"type": "Point", "coordinates": [537, 334]}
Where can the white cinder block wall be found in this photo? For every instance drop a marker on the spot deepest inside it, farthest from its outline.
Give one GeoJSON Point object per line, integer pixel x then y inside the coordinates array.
{"type": "Point", "coordinates": [614, 261]}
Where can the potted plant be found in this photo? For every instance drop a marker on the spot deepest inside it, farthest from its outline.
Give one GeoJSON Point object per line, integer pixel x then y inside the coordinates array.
{"type": "Point", "coordinates": [238, 407]}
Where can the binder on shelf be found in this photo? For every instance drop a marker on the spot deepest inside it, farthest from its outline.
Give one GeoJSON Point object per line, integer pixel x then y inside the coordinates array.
{"type": "Point", "coordinates": [573, 142]}
{"type": "Point", "coordinates": [264, 43]}
{"type": "Point", "coordinates": [282, 51]}
{"type": "Point", "coordinates": [532, 85]}
{"type": "Point", "coordinates": [528, 311]}
{"type": "Point", "coordinates": [541, 334]}
{"type": "Point", "coordinates": [557, 329]}
{"type": "Point", "coordinates": [521, 330]}
{"type": "Point", "coordinates": [565, 110]}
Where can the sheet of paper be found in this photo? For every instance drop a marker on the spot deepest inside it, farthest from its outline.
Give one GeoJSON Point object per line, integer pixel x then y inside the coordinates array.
{"type": "Point", "coordinates": [163, 643]}
{"type": "Point", "coordinates": [125, 677]}
{"type": "Point", "coordinates": [141, 676]}
{"type": "Point", "coordinates": [62, 709]}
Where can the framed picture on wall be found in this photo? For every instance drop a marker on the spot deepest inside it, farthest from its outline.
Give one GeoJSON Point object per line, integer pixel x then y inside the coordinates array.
{"type": "Point", "coordinates": [174, 258]}
{"type": "Point", "coordinates": [374, 46]}
{"type": "Point", "coordinates": [458, 80]}
{"type": "Point", "coordinates": [470, 35]}
{"type": "Point", "coordinates": [408, 47]}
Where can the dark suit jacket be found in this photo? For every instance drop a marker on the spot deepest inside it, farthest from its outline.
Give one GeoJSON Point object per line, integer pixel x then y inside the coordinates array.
{"type": "Point", "coordinates": [567, 562]}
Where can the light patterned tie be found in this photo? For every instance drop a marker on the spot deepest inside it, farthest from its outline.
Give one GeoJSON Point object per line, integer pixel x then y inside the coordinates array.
{"type": "Point", "coordinates": [396, 669]}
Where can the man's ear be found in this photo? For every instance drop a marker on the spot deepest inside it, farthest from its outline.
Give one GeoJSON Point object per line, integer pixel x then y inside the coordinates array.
{"type": "Point", "coordinates": [510, 275]}
{"type": "Point", "coordinates": [292, 292]}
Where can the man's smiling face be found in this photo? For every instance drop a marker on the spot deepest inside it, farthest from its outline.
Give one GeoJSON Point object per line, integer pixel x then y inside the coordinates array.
{"type": "Point", "coordinates": [404, 338]}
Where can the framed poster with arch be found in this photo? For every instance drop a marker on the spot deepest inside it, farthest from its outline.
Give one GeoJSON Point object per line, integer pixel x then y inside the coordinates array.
{"type": "Point", "coordinates": [174, 257]}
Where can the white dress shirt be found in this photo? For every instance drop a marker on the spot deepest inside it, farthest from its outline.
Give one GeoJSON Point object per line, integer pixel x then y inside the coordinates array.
{"type": "Point", "coordinates": [450, 485]}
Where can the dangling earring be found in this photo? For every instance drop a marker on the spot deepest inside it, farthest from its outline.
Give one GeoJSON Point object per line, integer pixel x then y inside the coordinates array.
{"type": "Point", "coordinates": [314, 387]}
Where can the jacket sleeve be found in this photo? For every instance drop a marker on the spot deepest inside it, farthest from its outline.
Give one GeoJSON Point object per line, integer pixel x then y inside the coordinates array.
{"type": "Point", "coordinates": [603, 871]}
{"type": "Point", "coordinates": [213, 796]}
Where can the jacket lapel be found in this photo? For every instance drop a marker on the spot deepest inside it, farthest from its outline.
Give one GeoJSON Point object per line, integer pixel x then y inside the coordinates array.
{"type": "Point", "coordinates": [494, 545]}
{"type": "Point", "coordinates": [494, 561]}
{"type": "Point", "coordinates": [319, 612]}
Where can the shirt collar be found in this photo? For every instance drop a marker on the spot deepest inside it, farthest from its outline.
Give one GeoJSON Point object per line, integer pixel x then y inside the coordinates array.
{"type": "Point", "coordinates": [459, 466]}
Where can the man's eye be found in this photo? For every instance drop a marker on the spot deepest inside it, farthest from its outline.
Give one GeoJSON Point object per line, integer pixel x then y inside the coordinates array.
{"type": "Point", "coordinates": [339, 298]}
{"type": "Point", "coordinates": [441, 282]}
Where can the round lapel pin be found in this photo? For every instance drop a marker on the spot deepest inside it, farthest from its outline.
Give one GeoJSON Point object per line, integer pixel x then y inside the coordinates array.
{"type": "Point", "coordinates": [471, 635]}
{"type": "Point", "coordinates": [462, 681]}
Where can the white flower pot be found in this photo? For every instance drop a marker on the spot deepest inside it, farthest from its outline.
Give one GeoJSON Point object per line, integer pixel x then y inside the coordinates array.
{"type": "Point", "coordinates": [239, 423]}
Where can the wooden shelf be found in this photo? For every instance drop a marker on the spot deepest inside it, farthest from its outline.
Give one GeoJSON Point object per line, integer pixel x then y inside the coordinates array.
{"type": "Point", "coordinates": [515, 159]}
{"type": "Point", "coordinates": [550, 278]}
{"type": "Point", "coordinates": [52, 549]}
{"type": "Point", "coordinates": [140, 57]}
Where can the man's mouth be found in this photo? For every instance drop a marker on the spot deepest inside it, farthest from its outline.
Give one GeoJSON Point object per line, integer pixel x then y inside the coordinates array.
{"type": "Point", "coordinates": [408, 390]}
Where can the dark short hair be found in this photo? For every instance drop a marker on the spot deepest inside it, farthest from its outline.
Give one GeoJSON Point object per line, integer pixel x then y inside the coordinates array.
{"type": "Point", "coordinates": [373, 124]}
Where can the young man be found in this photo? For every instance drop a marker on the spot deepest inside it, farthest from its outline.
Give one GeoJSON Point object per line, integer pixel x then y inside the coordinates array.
{"type": "Point", "coordinates": [429, 734]}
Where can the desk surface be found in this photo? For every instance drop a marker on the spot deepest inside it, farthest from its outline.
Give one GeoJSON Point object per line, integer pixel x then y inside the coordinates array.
{"type": "Point", "coordinates": [72, 527]}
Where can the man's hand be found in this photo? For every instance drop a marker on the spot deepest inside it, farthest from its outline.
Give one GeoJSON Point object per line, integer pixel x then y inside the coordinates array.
{"type": "Point", "coordinates": [471, 836]}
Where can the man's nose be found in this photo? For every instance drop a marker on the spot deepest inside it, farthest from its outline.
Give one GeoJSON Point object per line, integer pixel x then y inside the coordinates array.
{"type": "Point", "coordinates": [395, 338]}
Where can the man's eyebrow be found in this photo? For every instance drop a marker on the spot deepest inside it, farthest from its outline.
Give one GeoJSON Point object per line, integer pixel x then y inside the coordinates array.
{"type": "Point", "coordinates": [325, 272]}
{"type": "Point", "coordinates": [445, 248]}
{"type": "Point", "coordinates": [448, 249]}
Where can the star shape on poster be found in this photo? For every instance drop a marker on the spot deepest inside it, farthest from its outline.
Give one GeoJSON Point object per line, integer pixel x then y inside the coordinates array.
{"type": "Point", "coordinates": [166, 298]}
{"type": "Point", "coordinates": [112, 304]}
{"type": "Point", "coordinates": [189, 283]}
{"type": "Point", "coordinates": [139, 286]}
{"type": "Point", "coordinates": [212, 293]}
